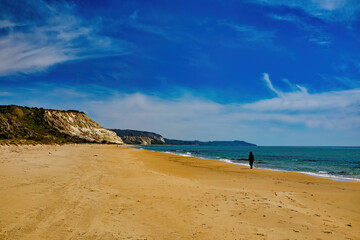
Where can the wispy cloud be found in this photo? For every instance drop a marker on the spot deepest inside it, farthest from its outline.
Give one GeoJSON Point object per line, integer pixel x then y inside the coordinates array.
{"type": "Point", "coordinates": [333, 110]}
{"type": "Point", "coordinates": [269, 84]}
{"type": "Point", "coordinates": [134, 15]}
{"type": "Point", "coordinates": [5, 94]}
{"type": "Point", "coordinates": [320, 40]}
{"type": "Point", "coordinates": [249, 33]}
{"type": "Point", "coordinates": [135, 21]}
{"type": "Point", "coordinates": [348, 82]}
{"type": "Point", "coordinates": [301, 100]}
{"type": "Point", "coordinates": [329, 5]}
{"type": "Point", "coordinates": [7, 24]}
{"type": "Point", "coordinates": [329, 10]}
{"type": "Point", "coordinates": [153, 29]}
{"type": "Point", "coordinates": [56, 35]}
{"type": "Point", "coordinates": [315, 33]}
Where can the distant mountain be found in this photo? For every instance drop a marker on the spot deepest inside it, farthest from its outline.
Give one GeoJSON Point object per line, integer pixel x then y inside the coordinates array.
{"type": "Point", "coordinates": [150, 138]}
{"type": "Point", "coordinates": [210, 143]}
{"type": "Point", "coordinates": [139, 137]}
{"type": "Point", "coordinates": [37, 125]}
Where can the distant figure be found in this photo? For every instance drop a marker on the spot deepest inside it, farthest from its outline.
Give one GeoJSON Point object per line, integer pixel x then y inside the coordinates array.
{"type": "Point", "coordinates": [251, 160]}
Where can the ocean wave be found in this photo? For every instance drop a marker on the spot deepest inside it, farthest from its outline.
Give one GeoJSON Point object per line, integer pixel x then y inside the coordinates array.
{"type": "Point", "coordinates": [338, 176]}
{"type": "Point", "coordinates": [325, 174]}
{"type": "Point", "coordinates": [232, 162]}
{"type": "Point", "coordinates": [187, 154]}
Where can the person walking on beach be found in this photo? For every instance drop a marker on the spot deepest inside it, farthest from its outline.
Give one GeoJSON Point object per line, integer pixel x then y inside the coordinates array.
{"type": "Point", "coordinates": [251, 160]}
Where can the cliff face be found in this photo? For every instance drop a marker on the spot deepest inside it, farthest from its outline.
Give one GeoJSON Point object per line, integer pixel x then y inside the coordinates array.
{"type": "Point", "coordinates": [80, 125]}
{"type": "Point", "coordinates": [139, 137]}
{"type": "Point", "coordinates": [24, 124]}
{"type": "Point", "coordinates": [138, 140]}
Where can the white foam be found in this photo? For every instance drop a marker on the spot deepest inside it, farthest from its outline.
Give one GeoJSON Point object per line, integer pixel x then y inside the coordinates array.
{"type": "Point", "coordinates": [232, 162]}
{"type": "Point", "coordinates": [324, 174]}
{"type": "Point", "coordinates": [187, 154]}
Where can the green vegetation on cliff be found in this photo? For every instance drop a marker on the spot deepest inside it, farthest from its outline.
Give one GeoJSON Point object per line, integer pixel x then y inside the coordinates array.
{"type": "Point", "coordinates": [27, 125]}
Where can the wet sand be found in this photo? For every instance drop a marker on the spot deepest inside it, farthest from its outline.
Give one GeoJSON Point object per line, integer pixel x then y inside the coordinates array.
{"type": "Point", "coordinates": [109, 192]}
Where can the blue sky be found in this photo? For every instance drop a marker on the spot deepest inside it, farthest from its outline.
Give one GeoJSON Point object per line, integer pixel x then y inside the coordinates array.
{"type": "Point", "coordinates": [269, 72]}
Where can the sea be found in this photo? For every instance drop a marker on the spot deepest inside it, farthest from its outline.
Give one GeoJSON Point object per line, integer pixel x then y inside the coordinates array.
{"type": "Point", "coordinates": [337, 163]}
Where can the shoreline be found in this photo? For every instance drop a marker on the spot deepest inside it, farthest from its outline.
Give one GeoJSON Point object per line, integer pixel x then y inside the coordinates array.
{"type": "Point", "coordinates": [87, 191]}
{"type": "Point", "coordinates": [325, 175]}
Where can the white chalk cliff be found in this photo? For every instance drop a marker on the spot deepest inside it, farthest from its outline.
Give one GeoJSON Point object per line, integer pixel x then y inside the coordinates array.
{"type": "Point", "coordinates": [80, 125]}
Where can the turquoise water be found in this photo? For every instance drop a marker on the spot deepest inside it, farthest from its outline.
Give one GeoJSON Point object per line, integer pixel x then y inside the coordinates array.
{"type": "Point", "coordinates": [338, 163]}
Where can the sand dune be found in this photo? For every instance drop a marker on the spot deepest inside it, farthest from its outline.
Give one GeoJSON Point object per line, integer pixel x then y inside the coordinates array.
{"type": "Point", "coordinates": [109, 192]}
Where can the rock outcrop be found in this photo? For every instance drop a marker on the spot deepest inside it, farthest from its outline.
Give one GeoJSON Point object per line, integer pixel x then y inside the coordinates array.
{"type": "Point", "coordinates": [80, 125]}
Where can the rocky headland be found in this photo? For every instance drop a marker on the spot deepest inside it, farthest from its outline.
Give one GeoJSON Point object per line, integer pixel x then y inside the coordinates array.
{"type": "Point", "coordinates": [37, 125]}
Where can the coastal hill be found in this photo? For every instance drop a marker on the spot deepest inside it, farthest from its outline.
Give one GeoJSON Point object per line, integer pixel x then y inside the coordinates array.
{"type": "Point", "coordinates": [209, 143]}
{"type": "Point", "coordinates": [147, 138]}
{"type": "Point", "coordinates": [24, 124]}
{"type": "Point", "coordinates": [139, 137]}
{"type": "Point", "coordinates": [37, 125]}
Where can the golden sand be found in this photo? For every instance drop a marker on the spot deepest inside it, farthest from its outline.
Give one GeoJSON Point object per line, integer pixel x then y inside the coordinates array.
{"type": "Point", "coordinates": [109, 192]}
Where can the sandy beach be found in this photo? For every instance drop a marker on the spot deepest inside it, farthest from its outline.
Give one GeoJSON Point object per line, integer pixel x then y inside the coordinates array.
{"type": "Point", "coordinates": [108, 192]}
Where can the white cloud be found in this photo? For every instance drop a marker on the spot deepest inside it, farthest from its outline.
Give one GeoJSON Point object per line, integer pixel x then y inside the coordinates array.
{"type": "Point", "coordinates": [302, 89]}
{"type": "Point", "coordinates": [191, 117]}
{"type": "Point", "coordinates": [327, 118]}
{"type": "Point", "coordinates": [56, 36]}
{"type": "Point", "coordinates": [303, 102]}
{"type": "Point", "coordinates": [269, 84]}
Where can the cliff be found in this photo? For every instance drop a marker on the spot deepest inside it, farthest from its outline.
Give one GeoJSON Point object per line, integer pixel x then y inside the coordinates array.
{"type": "Point", "coordinates": [139, 137]}
{"type": "Point", "coordinates": [80, 125]}
{"type": "Point", "coordinates": [24, 124]}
